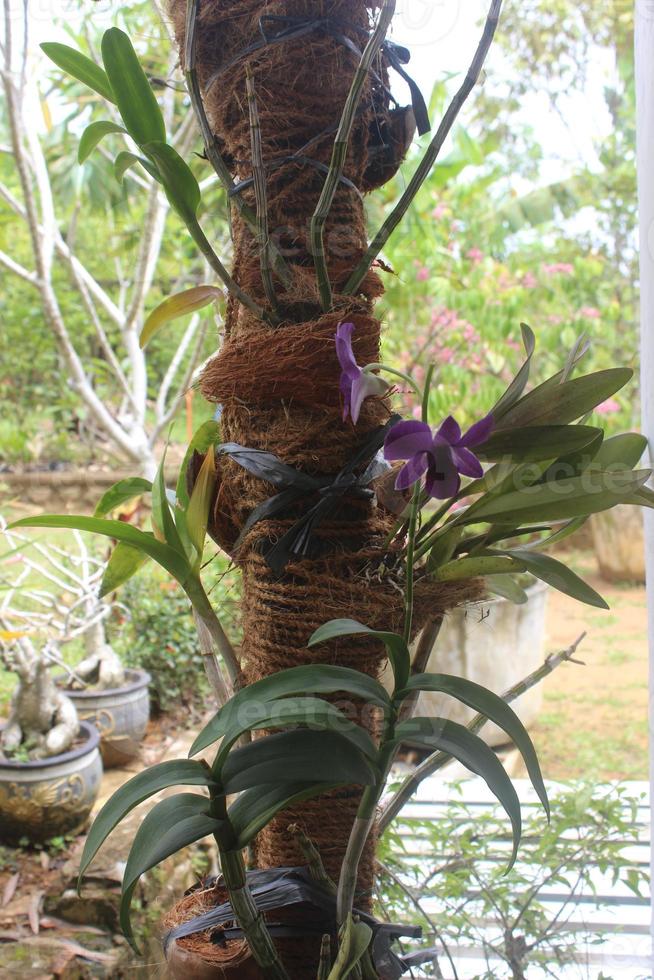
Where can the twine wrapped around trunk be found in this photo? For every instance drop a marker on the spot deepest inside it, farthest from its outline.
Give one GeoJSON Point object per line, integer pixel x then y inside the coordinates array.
{"type": "Point", "coordinates": [279, 386]}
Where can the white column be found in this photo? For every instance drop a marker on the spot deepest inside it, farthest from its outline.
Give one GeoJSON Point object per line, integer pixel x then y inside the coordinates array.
{"type": "Point", "coordinates": [645, 130]}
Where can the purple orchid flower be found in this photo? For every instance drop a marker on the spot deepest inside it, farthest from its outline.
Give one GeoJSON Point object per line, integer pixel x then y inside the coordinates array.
{"type": "Point", "coordinates": [444, 456]}
{"type": "Point", "coordinates": [356, 384]}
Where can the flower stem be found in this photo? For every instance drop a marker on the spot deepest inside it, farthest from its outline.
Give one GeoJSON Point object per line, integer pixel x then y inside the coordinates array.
{"type": "Point", "coordinates": [410, 560]}
{"type": "Point", "coordinates": [369, 368]}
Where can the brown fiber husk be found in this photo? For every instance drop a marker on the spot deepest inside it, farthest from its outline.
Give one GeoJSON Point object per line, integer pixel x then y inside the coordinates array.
{"type": "Point", "coordinates": [279, 386]}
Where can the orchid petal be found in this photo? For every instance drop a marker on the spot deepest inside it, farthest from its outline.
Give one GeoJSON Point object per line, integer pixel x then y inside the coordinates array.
{"type": "Point", "coordinates": [467, 463]}
{"type": "Point", "coordinates": [478, 433]}
{"type": "Point", "coordinates": [450, 431]}
{"type": "Point", "coordinates": [443, 480]}
{"type": "Point", "coordinates": [406, 439]}
{"type": "Point", "coordinates": [412, 471]}
{"type": "Point", "coordinates": [344, 351]}
{"type": "Point", "coordinates": [365, 386]}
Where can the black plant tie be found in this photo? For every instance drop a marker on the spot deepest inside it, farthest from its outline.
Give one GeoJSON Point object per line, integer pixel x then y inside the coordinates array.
{"type": "Point", "coordinates": [295, 486]}
{"type": "Point", "coordinates": [281, 888]}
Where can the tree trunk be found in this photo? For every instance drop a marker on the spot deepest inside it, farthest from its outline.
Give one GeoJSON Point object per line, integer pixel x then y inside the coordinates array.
{"type": "Point", "coordinates": [279, 386]}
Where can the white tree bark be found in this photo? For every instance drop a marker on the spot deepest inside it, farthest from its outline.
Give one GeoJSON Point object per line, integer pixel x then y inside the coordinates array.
{"type": "Point", "coordinates": [124, 420]}
{"type": "Point", "coordinates": [645, 130]}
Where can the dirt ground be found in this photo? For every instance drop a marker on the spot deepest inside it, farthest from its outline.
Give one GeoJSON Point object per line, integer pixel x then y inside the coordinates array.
{"type": "Point", "coordinates": [594, 719]}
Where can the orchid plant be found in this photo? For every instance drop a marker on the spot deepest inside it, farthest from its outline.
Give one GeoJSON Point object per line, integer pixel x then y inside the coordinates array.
{"type": "Point", "coordinates": [483, 505]}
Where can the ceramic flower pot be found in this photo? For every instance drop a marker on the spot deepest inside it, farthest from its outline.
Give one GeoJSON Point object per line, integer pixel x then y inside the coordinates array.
{"type": "Point", "coordinates": [619, 543]}
{"type": "Point", "coordinates": [120, 714]}
{"type": "Point", "coordinates": [496, 644]}
{"type": "Point", "coordinates": [50, 797]}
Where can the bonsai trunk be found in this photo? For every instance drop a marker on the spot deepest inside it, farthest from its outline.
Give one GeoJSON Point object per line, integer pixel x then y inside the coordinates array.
{"type": "Point", "coordinates": [278, 386]}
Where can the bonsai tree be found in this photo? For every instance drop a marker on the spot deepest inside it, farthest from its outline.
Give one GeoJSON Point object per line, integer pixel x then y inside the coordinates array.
{"type": "Point", "coordinates": [42, 721]}
{"type": "Point", "coordinates": [50, 596]}
{"type": "Point", "coordinates": [295, 112]}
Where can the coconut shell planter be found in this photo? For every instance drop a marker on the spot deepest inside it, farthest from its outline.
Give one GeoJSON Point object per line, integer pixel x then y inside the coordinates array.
{"type": "Point", "coordinates": [341, 573]}
{"type": "Point", "coordinates": [50, 797]}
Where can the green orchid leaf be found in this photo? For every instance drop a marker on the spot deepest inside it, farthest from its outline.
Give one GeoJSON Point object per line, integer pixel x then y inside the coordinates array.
{"type": "Point", "coordinates": [197, 512]}
{"type": "Point", "coordinates": [497, 710]}
{"type": "Point", "coordinates": [396, 646]}
{"type": "Point", "coordinates": [255, 808]}
{"type": "Point", "coordinates": [208, 435]}
{"type": "Point", "coordinates": [125, 561]}
{"type": "Point", "coordinates": [355, 940]}
{"type": "Point", "coordinates": [177, 772]}
{"type": "Point", "coordinates": [557, 500]}
{"type": "Point", "coordinates": [181, 187]}
{"type": "Point", "coordinates": [537, 442]}
{"type": "Point", "coordinates": [315, 713]}
{"type": "Point", "coordinates": [77, 65]}
{"type": "Point", "coordinates": [174, 563]}
{"type": "Point", "coordinates": [163, 521]}
{"type": "Point", "coordinates": [171, 825]}
{"type": "Point", "coordinates": [519, 383]}
{"type": "Point", "coordinates": [133, 95]}
{"type": "Point", "coordinates": [557, 402]}
{"type": "Point", "coordinates": [181, 304]}
{"type": "Point", "coordinates": [126, 160]}
{"type": "Point", "coordinates": [439, 734]}
{"type": "Point", "coordinates": [120, 493]}
{"type": "Point", "coordinates": [559, 576]}
{"type": "Point", "coordinates": [506, 588]}
{"type": "Point", "coordinates": [477, 567]}
{"type": "Point", "coordinates": [294, 682]}
{"type": "Point", "coordinates": [299, 757]}
{"type": "Point", "coordinates": [93, 135]}
{"type": "Point", "coordinates": [624, 452]}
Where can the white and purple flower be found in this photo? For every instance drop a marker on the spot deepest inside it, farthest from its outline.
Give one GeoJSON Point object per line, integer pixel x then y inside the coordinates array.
{"type": "Point", "coordinates": [357, 384]}
{"type": "Point", "coordinates": [442, 457]}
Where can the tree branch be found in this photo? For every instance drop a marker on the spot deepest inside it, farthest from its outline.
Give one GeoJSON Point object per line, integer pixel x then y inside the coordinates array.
{"type": "Point", "coordinates": [19, 270]}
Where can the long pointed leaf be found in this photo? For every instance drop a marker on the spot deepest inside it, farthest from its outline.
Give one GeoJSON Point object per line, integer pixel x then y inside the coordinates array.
{"type": "Point", "coordinates": [533, 443]}
{"type": "Point", "coordinates": [131, 88]}
{"type": "Point", "coordinates": [439, 734]}
{"type": "Point", "coordinates": [181, 187]}
{"type": "Point", "coordinates": [300, 756]}
{"type": "Point", "coordinates": [255, 808]}
{"type": "Point", "coordinates": [560, 403]}
{"type": "Point", "coordinates": [93, 135]}
{"type": "Point", "coordinates": [165, 556]}
{"type": "Point", "coordinates": [172, 824]}
{"type": "Point", "coordinates": [395, 644]}
{"type": "Point", "coordinates": [294, 682]}
{"type": "Point", "coordinates": [75, 63]}
{"type": "Point", "coordinates": [496, 709]}
{"type": "Point", "coordinates": [315, 713]}
{"type": "Point", "coordinates": [207, 435]}
{"type": "Point", "coordinates": [558, 500]}
{"type": "Point", "coordinates": [177, 772]}
{"type": "Point", "coordinates": [559, 576]}
{"type": "Point", "coordinates": [519, 383]}
{"type": "Point", "coordinates": [173, 307]}
{"type": "Point", "coordinates": [125, 561]}
{"type": "Point", "coordinates": [120, 493]}
{"type": "Point", "coordinates": [126, 160]}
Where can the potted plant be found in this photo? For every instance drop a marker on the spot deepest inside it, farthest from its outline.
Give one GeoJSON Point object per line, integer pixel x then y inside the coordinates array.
{"type": "Point", "coordinates": [50, 765]}
{"type": "Point", "coordinates": [333, 582]}
{"type": "Point", "coordinates": [108, 696]}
